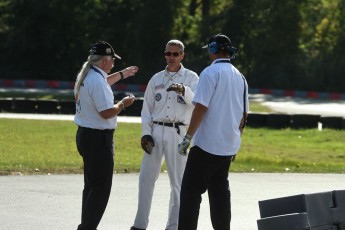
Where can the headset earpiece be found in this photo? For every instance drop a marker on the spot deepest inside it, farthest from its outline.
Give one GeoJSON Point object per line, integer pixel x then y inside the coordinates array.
{"type": "Point", "coordinates": [213, 47]}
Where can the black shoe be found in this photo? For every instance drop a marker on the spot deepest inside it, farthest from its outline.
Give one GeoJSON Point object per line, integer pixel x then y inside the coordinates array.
{"type": "Point", "coordinates": [134, 228]}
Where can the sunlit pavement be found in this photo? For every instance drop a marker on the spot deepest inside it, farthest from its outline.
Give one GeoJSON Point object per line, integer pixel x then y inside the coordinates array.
{"type": "Point", "coordinates": [62, 117]}
{"type": "Point", "coordinates": [54, 201]}
{"type": "Point", "coordinates": [302, 105]}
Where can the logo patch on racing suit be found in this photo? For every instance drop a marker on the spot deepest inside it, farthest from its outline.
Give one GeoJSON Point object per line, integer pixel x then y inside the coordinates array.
{"type": "Point", "coordinates": [157, 87]}
{"type": "Point", "coordinates": [180, 100]}
{"type": "Point", "coordinates": [158, 97]}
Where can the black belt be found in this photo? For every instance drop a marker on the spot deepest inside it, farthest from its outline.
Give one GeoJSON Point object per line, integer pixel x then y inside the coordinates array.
{"type": "Point", "coordinates": [97, 130]}
{"type": "Point", "coordinates": [170, 124]}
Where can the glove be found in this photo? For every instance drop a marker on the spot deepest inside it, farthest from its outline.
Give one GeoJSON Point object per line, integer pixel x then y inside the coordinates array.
{"type": "Point", "coordinates": [178, 88]}
{"type": "Point", "coordinates": [183, 146]}
{"type": "Point", "coordinates": [147, 143]}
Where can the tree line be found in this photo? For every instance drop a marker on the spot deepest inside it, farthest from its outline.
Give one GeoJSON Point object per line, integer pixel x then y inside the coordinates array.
{"type": "Point", "coordinates": [285, 44]}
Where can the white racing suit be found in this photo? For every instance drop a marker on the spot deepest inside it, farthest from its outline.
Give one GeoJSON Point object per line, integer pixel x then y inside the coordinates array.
{"type": "Point", "coordinates": [166, 107]}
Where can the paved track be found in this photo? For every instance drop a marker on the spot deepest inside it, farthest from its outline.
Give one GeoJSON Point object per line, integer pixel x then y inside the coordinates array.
{"type": "Point", "coordinates": [302, 105]}
{"type": "Point", "coordinates": [54, 202]}
{"type": "Point", "coordinates": [58, 117]}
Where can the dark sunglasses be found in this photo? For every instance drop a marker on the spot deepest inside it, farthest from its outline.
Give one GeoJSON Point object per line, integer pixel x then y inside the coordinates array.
{"type": "Point", "coordinates": [168, 54]}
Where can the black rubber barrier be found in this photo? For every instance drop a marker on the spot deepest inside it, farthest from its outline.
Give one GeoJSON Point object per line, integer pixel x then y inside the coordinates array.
{"type": "Point", "coordinates": [294, 221]}
{"type": "Point", "coordinates": [22, 105]}
{"type": "Point", "coordinates": [318, 211]}
{"type": "Point", "coordinates": [257, 120]}
{"type": "Point", "coordinates": [6, 105]}
{"type": "Point", "coordinates": [278, 121]}
{"type": "Point", "coordinates": [332, 122]}
{"type": "Point", "coordinates": [47, 106]}
{"type": "Point", "coordinates": [66, 107]}
{"type": "Point", "coordinates": [338, 212]}
{"type": "Point", "coordinates": [304, 121]}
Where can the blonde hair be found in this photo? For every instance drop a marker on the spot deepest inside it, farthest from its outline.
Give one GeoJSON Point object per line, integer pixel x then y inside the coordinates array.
{"type": "Point", "coordinates": [91, 60]}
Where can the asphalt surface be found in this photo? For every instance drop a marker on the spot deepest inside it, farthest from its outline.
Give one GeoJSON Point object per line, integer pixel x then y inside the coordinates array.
{"type": "Point", "coordinates": [289, 105]}
{"type": "Point", "coordinates": [54, 201]}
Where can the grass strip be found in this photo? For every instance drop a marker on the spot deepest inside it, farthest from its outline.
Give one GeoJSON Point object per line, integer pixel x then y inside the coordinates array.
{"type": "Point", "coordinates": [41, 147]}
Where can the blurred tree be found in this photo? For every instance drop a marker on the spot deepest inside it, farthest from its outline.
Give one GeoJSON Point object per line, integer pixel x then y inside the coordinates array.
{"type": "Point", "coordinates": [145, 37]}
{"type": "Point", "coordinates": [194, 23]}
{"type": "Point", "coordinates": [285, 45]}
{"type": "Point", "coordinates": [321, 42]}
{"type": "Point", "coordinates": [45, 39]}
{"type": "Point", "coordinates": [336, 64]}
{"type": "Point", "coordinates": [267, 33]}
{"type": "Point", "coordinates": [55, 35]}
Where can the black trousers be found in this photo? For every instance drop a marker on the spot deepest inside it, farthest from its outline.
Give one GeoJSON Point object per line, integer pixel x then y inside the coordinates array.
{"type": "Point", "coordinates": [97, 149]}
{"type": "Point", "coordinates": [205, 171]}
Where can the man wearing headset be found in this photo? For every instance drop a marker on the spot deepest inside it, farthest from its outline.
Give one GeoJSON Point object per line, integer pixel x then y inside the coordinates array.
{"type": "Point", "coordinates": [218, 119]}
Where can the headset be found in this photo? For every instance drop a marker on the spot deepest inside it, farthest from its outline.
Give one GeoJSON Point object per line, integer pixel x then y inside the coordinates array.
{"type": "Point", "coordinates": [214, 48]}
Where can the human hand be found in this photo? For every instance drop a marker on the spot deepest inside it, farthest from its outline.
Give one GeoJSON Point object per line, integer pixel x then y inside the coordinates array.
{"type": "Point", "coordinates": [183, 146]}
{"type": "Point", "coordinates": [178, 88]}
{"type": "Point", "coordinates": [147, 143]}
{"type": "Point", "coordinates": [128, 100]}
{"type": "Point", "coordinates": [243, 122]}
{"type": "Point", "coordinates": [129, 71]}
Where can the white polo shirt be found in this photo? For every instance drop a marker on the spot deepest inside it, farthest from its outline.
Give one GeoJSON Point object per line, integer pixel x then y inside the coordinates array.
{"type": "Point", "coordinates": [95, 95]}
{"type": "Point", "coordinates": [220, 89]}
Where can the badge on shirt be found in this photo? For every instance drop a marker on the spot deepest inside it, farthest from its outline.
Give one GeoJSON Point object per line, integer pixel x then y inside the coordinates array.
{"type": "Point", "coordinates": [158, 97]}
{"type": "Point", "coordinates": [161, 86]}
{"type": "Point", "coordinates": [180, 100]}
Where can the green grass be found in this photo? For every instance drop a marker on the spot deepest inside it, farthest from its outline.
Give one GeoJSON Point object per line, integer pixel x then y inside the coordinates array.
{"type": "Point", "coordinates": [38, 146]}
{"type": "Point", "coordinates": [288, 150]}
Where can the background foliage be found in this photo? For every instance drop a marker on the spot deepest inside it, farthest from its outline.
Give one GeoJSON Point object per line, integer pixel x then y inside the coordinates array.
{"type": "Point", "coordinates": [284, 44]}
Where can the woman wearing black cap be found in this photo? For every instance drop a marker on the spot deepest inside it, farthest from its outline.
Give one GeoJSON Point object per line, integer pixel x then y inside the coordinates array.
{"type": "Point", "coordinates": [96, 117]}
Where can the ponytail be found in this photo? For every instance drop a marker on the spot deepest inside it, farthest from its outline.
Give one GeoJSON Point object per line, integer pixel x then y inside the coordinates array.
{"type": "Point", "coordinates": [91, 60]}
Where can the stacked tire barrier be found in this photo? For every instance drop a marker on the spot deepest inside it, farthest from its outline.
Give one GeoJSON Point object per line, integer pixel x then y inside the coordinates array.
{"type": "Point", "coordinates": [23, 105]}
{"type": "Point", "coordinates": [318, 211]}
{"type": "Point", "coordinates": [46, 106]}
{"type": "Point", "coordinates": [294, 121]}
{"type": "Point", "coordinates": [255, 120]}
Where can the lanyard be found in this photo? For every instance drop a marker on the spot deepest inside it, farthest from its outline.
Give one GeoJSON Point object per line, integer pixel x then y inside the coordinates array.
{"type": "Point", "coordinates": [97, 70]}
{"type": "Point", "coordinates": [82, 80]}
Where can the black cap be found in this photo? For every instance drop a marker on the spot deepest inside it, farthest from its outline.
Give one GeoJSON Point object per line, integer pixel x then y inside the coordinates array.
{"type": "Point", "coordinates": [103, 48]}
{"type": "Point", "coordinates": [222, 42]}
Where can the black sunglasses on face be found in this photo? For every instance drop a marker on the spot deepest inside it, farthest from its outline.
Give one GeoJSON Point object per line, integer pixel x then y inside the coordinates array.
{"type": "Point", "coordinates": [168, 54]}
